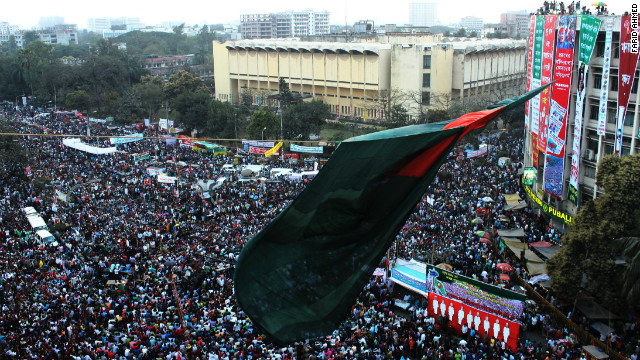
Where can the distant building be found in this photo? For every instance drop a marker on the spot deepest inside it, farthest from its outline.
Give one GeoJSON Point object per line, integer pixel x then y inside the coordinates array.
{"type": "Point", "coordinates": [65, 34]}
{"type": "Point", "coordinates": [47, 22]}
{"type": "Point", "coordinates": [284, 24]}
{"type": "Point", "coordinates": [472, 23]}
{"type": "Point", "coordinates": [166, 65]}
{"type": "Point", "coordinates": [98, 25]}
{"type": "Point", "coordinates": [364, 26]}
{"type": "Point", "coordinates": [356, 79]}
{"type": "Point", "coordinates": [516, 23]}
{"type": "Point", "coordinates": [423, 13]}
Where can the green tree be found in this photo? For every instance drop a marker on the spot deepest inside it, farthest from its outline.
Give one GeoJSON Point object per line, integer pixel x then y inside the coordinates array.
{"type": "Point", "coordinates": [398, 117]}
{"type": "Point", "coordinates": [303, 119]}
{"type": "Point", "coordinates": [193, 109]}
{"type": "Point", "coordinates": [263, 119]}
{"type": "Point", "coordinates": [588, 252]}
{"type": "Point", "coordinates": [460, 33]}
{"type": "Point", "coordinates": [130, 109]}
{"type": "Point", "coordinates": [181, 83]}
{"type": "Point", "coordinates": [630, 247]}
{"type": "Point", "coordinates": [284, 94]}
{"type": "Point", "coordinates": [224, 121]}
{"type": "Point", "coordinates": [28, 37]}
{"type": "Point", "coordinates": [151, 94]}
{"type": "Point", "coordinates": [78, 100]}
{"type": "Point", "coordinates": [473, 34]}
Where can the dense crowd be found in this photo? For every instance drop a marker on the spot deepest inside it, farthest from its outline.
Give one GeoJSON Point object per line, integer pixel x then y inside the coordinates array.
{"type": "Point", "coordinates": [143, 270]}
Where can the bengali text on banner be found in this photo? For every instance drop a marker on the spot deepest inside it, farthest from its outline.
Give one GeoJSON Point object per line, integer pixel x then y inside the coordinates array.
{"type": "Point", "coordinates": [626, 75]}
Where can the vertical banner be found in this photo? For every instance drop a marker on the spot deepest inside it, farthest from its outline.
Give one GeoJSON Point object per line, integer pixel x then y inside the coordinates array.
{"type": "Point", "coordinates": [527, 109]}
{"type": "Point", "coordinates": [548, 45]}
{"type": "Point", "coordinates": [558, 113]}
{"type": "Point", "coordinates": [626, 74]}
{"type": "Point", "coordinates": [604, 85]}
{"type": "Point", "coordinates": [589, 27]}
{"type": "Point", "coordinates": [535, 83]}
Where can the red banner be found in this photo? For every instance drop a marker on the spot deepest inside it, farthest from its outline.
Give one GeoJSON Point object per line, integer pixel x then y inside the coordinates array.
{"type": "Point", "coordinates": [291, 155]}
{"type": "Point", "coordinates": [548, 45]}
{"type": "Point", "coordinates": [27, 171]}
{"type": "Point", "coordinates": [482, 322]}
{"type": "Point", "coordinates": [185, 141]}
{"type": "Point", "coordinates": [626, 74]}
{"type": "Point", "coordinates": [559, 107]}
{"type": "Point", "coordinates": [257, 150]}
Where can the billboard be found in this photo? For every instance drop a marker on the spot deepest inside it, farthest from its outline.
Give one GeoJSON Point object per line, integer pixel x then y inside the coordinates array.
{"type": "Point", "coordinates": [530, 175]}
{"type": "Point", "coordinates": [626, 74]}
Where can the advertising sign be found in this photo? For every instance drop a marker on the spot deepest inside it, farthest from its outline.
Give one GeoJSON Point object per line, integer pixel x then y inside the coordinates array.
{"type": "Point", "coordinates": [536, 72]}
{"type": "Point", "coordinates": [306, 149]}
{"type": "Point", "coordinates": [532, 29]}
{"type": "Point", "coordinates": [626, 74]}
{"type": "Point", "coordinates": [589, 27]}
{"type": "Point", "coordinates": [548, 46]}
{"type": "Point", "coordinates": [604, 85]}
{"type": "Point", "coordinates": [126, 139]}
{"type": "Point", "coordinates": [529, 176]}
{"type": "Point", "coordinates": [556, 137]}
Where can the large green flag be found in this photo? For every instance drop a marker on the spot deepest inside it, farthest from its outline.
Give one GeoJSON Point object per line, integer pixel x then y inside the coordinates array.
{"type": "Point", "coordinates": [298, 278]}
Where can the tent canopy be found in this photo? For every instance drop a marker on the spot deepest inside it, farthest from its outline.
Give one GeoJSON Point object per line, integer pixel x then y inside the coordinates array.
{"type": "Point", "coordinates": [511, 233]}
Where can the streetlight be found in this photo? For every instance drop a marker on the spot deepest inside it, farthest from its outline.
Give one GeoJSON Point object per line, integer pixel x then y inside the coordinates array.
{"type": "Point", "coordinates": [263, 133]}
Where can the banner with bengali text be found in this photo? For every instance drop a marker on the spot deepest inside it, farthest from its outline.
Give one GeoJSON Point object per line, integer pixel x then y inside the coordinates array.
{"type": "Point", "coordinates": [273, 150]}
{"type": "Point", "coordinates": [604, 85]}
{"type": "Point", "coordinates": [589, 28]}
{"type": "Point", "coordinates": [626, 74]}
{"type": "Point", "coordinates": [558, 113]}
{"type": "Point", "coordinates": [535, 83]}
{"type": "Point", "coordinates": [548, 45]}
{"type": "Point", "coordinates": [532, 29]}
{"type": "Point", "coordinates": [306, 149]}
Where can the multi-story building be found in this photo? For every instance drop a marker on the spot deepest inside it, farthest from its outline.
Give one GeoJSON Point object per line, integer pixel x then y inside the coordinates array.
{"type": "Point", "coordinates": [516, 23]}
{"type": "Point", "coordinates": [7, 31]}
{"type": "Point", "coordinates": [166, 65]}
{"type": "Point", "coordinates": [472, 23]}
{"type": "Point", "coordinates": [360, 80]}
{"type": "Point", "coordinates": [65, 34]}
{"type": "Point", "coordinates": [98, 25]}
{"type": "Point", "coordinates": [284, 24]}
{"type": "Point", "coordinates": [592, 145]}
{"type": "Point", "coordinates": [423, 13]}
{"type": "Point", "coordinates": [47, 22]}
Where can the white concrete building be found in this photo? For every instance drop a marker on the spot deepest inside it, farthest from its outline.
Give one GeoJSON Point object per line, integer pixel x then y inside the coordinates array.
{"type": "Point", "coordinates": [423, 13]}
{"type": "Point", "coordinates": [98, 25]}
{"type": "Point", "coordinates": [472, 23]}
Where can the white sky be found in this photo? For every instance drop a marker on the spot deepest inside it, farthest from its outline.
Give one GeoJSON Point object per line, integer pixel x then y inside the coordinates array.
{"type": "Point", "coordinates": [27, 15]}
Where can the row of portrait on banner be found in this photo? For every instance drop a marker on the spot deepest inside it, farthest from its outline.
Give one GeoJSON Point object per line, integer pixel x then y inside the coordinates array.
{"type": "Point", "coordinates": [465, 319]}
{"type": "Point", "coordinates": [552, 46]}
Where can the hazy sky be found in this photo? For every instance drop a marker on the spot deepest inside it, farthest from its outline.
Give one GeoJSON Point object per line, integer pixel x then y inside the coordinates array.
{"type": "Point", "coordinates": [192, 12]}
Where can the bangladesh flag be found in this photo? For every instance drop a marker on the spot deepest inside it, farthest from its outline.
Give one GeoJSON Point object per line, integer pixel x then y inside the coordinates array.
{"type": "Point", "coordinates": [438, 285]}
{"type": "Point", "coordinates": [298, 278]}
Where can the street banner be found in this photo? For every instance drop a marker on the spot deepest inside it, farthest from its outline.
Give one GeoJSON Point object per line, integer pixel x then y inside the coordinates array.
{"type": "Point", "coordinates": [626, 73]}
{"type": "Point", "coordinates": [306, 149]}
{"type": "Point", "coordinates": [264, 144]}
{"type": "Point", "coordinates": [557, 133]}
{"type": "Point", "coordinates": [60, 195]}
{"type": "Point", "coordinates": [259, 150]}
{"type": "Point", "coordinates": [27, 171]}
{"type": "Point", "coordinates": [273, 150]}
{"type": "Point", "coordinates": [185, 141]}
{"type": "Point", "coordinates": [548, 45]}
{"type": "Point", "coordinates": [477, 153]}
{"type": "Point", "coordinates": [153, 171]}
{"type": "Point", "coordinates": [141, 157]}
{"type": "Point", "coordinates": [126, 139]}
{"type": "Point", "coordinates": [604, 85]}
{"type": "Point", "coordinates": [532, 29]}
{"type": "Point", "coordinates": [163, 178]}
{"type": "Point", "coordinates": [589, 28]}
{"type": "Point", "coordinates": [291, 156]}
{"type": "Point", "coordinates": [535, 83]}
{"type": "Point", "coordinates": [163, 124]}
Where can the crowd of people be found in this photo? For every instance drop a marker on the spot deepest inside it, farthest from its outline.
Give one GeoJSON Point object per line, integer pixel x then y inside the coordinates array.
{"type": "Point", "coordinates": [144, 270]}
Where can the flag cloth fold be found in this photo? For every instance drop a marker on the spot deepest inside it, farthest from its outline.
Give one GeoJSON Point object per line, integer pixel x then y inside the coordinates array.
{"type": "Point", "coordinates": [298, 278]}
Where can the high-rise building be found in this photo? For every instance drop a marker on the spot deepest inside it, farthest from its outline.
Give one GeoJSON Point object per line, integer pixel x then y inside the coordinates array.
{"type": "Point", "coordinates": [423, 13]}
{"type": "Point", "coordinates": [471, 23]}
{"type": "Point", "coordinates": [284, 24]}
{"type": "Point", "coordinates": [592, 137]}
{"type": "Point", "coordinates": [50, 21]}
{"type": "Point", "coordinates": [98, 25]}
{"type": "Point", "coordinates": [516, 22]}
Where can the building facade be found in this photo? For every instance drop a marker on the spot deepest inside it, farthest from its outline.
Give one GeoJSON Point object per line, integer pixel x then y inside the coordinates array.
{"type": "Point", "coordinates": [423, 13]}
{"type": "Point", "coordinates": [98, 25]}
{"type": "Point", "coordinates": [59, 34]}
{"type": "Point", "coordinates": [472, 23]}
{"type": "Point", "coordinates": [166, 65]}
{"type": "Point", "coordinates": [284, 24]}
{"type": "Point", "coordinates": [361, 80]}
{"type": "Point", "coordinates": [516, 23]}
{"type": "Point", "coordinates": [592, 145]}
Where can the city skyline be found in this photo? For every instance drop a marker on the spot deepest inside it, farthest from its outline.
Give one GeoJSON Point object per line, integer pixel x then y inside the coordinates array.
{"type": "Point", "coordinates": [341, 11]}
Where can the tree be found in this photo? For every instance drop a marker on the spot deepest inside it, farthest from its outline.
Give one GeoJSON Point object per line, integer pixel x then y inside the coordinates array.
{"type": "Point", "coordinates": [151, 94]}
{"type": "Point", "coordinates": [630, 247]}
{"type": "Point", "coordinates": [12, 156]}
{"type": "Point", "coordinates": [193, 109]}
{"type": "Point", "coordinates": [588, 251]}
{"type": "Point", "coordinates": [473, 34]}
{"type": "Point", "coordinates": [285, 96]}
{"type": "Point", "coordinates": [303, 119]}
{"type": "Point", "coordinates": [398, 117]}
{"type": "Point", "coordinates": [78, 100]}
{"type": "Point", "coordinates": [182, 83]}
{"type": "Point", "coordinates": [262, 119]}
{"type": "Point", "coordinates": [460, 33]}
{"type": "Point", "coordinates": [28, 37]}
{"type": "Point", "coordinates": [224, 121]}
{"type": "Point", "coordinates": [130, 109]}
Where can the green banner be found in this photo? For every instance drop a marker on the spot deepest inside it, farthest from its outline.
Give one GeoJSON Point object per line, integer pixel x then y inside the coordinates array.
{"type": "Point", "coordinates": [548, 209]}
{"type": "Point", "coordinates": [141, 157]}
{"type": "Point", "coordinates": [537, 48]}
{"type": "Point", "coordinates": [589, 29]}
